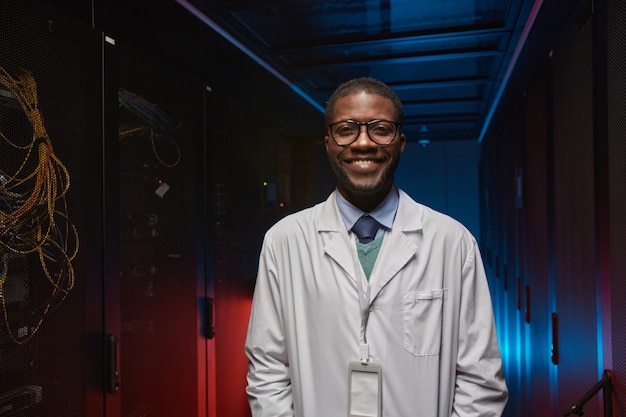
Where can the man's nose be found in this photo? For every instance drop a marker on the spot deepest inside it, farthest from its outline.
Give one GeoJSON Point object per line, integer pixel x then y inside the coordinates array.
{"type": "Point", "coordinates": [363, 138]}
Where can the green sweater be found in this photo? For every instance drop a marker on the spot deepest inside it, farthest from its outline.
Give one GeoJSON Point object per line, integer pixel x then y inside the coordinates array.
{"type": "Point", "coordinates": [368, 253]}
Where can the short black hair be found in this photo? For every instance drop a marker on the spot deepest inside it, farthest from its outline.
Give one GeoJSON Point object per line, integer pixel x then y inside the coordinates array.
{"type": "Point", "coordinates": [368, 85]}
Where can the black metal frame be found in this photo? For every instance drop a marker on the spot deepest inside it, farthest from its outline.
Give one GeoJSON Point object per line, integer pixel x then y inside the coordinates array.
{"type": "Point", "coordinates": [605, 383]}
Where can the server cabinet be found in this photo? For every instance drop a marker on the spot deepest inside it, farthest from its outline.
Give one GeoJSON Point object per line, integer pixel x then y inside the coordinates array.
{"type": "Point", "coordinates": [161, 301]}
{"type": "Point", "coordinates": [554, 357]}
{"type": "Point", "coordinates": [103, 280]}
{"type": "Point", "coordinates": [48, 259]}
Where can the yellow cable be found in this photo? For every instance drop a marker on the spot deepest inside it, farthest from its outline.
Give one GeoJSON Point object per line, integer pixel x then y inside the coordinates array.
{"type": "Point", "coordinates": [43, 188]}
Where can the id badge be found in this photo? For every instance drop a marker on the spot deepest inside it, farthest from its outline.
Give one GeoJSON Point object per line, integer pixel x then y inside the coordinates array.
{"type": "Point", "coordinates": [365, 384]}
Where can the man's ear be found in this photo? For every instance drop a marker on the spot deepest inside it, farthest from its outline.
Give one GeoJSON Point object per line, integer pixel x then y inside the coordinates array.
{"type": "Point", "coordinates": [403, 140]}
{"type": "Point", "coordinates": [326, 139]}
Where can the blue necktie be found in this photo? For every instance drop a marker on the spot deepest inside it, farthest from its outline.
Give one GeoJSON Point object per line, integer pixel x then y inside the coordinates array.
{"type": "Point", "coordinates": [366, 228]}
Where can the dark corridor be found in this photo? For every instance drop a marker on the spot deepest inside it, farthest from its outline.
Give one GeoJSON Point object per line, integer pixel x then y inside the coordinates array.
{"type": "Point", "coordinates": [143, 155]}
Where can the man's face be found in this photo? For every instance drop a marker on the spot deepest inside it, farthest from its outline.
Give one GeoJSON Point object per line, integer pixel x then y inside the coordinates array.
{"type": "Point", "coordinates": [364, 170]}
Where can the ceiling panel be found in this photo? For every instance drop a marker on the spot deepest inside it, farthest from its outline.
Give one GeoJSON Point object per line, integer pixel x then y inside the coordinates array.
{"type": "Point", "coordinates": [445, 58]}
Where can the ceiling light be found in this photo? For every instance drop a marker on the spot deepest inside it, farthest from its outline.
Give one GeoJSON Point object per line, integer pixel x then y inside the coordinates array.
{"type": "Point", "coordinates": [423, 139]}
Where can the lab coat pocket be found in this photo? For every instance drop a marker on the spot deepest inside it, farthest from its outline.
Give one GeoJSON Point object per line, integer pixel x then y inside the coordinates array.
{"type": "Point", "coordinates": [423, 321]}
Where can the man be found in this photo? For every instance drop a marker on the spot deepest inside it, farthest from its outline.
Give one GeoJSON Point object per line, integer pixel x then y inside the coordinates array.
{"type": "Point", "coordinates": [409, 313]}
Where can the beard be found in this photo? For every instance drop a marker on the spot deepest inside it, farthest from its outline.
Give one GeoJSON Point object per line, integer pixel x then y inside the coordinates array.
{"type": "Point", "coordinates": [362, 190]}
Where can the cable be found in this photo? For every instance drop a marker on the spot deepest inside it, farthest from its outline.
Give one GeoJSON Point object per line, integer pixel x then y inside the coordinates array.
{"type": "Point", "coordinates": [34, 220]}
{"type": "Point", "coordinates": [156, 122]}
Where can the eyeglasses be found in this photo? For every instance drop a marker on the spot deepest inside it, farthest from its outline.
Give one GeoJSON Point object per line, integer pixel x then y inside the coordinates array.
{"type": "Point", "coordinates": [381, 132]}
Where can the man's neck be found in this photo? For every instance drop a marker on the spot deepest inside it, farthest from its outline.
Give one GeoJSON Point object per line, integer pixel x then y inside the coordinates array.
{"type": "Point", "coordinates": [367, 203]}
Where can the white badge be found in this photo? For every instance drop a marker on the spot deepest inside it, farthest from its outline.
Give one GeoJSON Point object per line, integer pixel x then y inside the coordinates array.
{"type": "Point", "coordinates": [365, 383]}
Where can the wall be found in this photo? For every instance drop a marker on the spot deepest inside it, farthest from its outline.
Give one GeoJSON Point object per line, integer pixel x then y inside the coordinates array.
{"type": "Point", "coordinates": [444, 176]}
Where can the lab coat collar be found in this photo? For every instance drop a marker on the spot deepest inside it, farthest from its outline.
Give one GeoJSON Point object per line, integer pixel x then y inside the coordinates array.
{"type": "Point", "coordinates": [398, 248]}
{"type": "Point", "coordinates": [337, 241]}
{"type": "Point", "coordinates": [408, 217]}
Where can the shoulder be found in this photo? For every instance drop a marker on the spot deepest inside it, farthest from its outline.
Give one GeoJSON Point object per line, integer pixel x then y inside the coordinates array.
{"type": "Point", "coordinates": [294, 225]}
{"type": "Point", "coordinates": [293, 220]}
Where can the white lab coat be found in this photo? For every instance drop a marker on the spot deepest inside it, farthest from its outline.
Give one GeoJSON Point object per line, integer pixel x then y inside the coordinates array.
{"type": "Point", "coordinates": [430, 325]}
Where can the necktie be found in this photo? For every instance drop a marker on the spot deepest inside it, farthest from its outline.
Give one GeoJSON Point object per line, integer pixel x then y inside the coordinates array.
{"type": "Point", "coordinates": [366, 228]}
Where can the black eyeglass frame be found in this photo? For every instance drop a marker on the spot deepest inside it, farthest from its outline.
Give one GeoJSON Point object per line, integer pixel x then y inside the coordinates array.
{"type": "Point", "coordinates": [367, 130]}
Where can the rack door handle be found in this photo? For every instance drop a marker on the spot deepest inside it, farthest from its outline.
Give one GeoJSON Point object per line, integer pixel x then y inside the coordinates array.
{"type": "Point", "coordinates": [555, 338]}
{"type": "Point", "coordinates": [112, 374]}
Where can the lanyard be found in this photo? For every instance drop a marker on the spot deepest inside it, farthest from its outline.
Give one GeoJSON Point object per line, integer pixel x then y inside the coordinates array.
{"type": "Point", "coordinates": [363, 289]}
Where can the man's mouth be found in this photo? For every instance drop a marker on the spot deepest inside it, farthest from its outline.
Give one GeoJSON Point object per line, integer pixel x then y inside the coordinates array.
{"type": "Point", "coordinates": [363, 162]}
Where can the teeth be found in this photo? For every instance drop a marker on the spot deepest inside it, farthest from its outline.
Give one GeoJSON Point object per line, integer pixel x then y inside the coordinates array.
{"type": "Point", "coordinates": [364, 162]}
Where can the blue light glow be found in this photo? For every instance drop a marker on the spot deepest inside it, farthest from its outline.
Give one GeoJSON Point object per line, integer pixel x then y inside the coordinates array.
{"type": "Point", "coordinates": [518, 50]}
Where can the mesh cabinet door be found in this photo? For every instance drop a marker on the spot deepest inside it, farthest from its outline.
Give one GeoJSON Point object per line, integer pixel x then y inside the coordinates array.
{"type": "Point", "coordinates": [43, 217]}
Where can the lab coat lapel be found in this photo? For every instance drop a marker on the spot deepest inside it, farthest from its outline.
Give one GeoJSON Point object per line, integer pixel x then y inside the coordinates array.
{"type": "Point", "coordinates": [335, 236]}
{"type": "Point", "coordinates": [400, 246]}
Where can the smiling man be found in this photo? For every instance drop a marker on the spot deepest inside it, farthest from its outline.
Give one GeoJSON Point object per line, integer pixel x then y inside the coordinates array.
{"type": "Point", "coordinates": [364, 164]}
{"type": "Point", "coordinates": [370, 304]}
